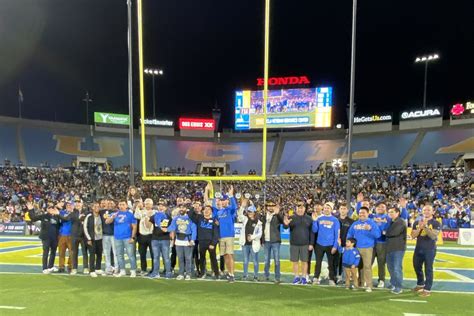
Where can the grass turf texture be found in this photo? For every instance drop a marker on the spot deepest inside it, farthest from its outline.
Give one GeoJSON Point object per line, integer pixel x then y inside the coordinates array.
{"type": "Point", "coordinates": [76, 295]}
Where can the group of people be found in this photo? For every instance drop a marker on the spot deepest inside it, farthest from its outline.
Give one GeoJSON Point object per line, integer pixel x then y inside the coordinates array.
{"type": "Point", "coordinates": [187, 229]}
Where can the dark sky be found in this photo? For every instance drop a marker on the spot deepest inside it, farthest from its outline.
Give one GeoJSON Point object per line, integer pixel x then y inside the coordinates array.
{"type": "Point", "coordinates": [56, 50]}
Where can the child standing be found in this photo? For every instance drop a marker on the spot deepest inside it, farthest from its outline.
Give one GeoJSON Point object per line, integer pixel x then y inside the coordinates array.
{"type": "Point", "coordinates": [350, 262]}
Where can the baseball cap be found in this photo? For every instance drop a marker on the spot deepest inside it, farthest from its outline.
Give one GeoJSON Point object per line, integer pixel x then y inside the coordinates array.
{"type": "Point", "coordinates": [251, 209]}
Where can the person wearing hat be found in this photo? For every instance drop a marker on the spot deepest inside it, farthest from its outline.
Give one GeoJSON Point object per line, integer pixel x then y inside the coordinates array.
{"type": "Point", "coordinates": [250, 238]}
{"type": "Point", "coordinates": [327, 227]}
{"type": "Point", "coordinates": [144, 232]}
{"type": "Point", "coordinates": [160, 239]}
{"type": "Point", "coordinates": [183, 231]}
{"type": "Point", "coordinates": [301, 240]}
{"type": "Point", "coordinates": [225, 211]}
{"type": "Point", "coordinates": [271, 237]}
{"type": "Point", "coordinates": [65, 241]}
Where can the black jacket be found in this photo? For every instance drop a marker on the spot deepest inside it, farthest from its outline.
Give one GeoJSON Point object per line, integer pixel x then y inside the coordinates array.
{"type": "Point", "coordinates": [207, 229]}
{"type": "Point", "coordinates": [301, 230]}
{"type": "Point", "coordinates": [49, 224]}
{"type": "Point", "coordinates": [88, 227]}
{"type": "Point", "coordinates": [396, 235]}
{"type": "Point", "coordinates": [345, 225]}
{"type": "Point", "coordinates": [275, 223]}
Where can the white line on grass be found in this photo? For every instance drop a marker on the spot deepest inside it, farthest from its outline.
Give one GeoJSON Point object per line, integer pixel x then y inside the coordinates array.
{"type": "Point", "coordinates": [11, 307]}
{"type": "Point", "coordinates": [414, 314]}
{"type": "Point", "coordinates": [406, 301]}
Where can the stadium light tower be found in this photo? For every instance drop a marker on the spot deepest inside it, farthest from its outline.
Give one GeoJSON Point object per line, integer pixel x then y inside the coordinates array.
{"type": "Point", "coordinates": [154, 72]}
{"type": "Point", "coordinates": [426, 59]}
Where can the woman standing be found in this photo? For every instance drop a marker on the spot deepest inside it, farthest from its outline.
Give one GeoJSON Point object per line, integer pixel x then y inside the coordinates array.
{"type": "Point", "coordinates": [250, 239]}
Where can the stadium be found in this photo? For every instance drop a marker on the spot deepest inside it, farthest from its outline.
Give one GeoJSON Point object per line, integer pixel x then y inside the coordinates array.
{"type": "Point", "coordinates": [292, 209]}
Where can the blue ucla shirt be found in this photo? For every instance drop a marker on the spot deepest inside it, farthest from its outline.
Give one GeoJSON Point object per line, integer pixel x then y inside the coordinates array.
{"type": "Point", "coordinates": [123, 225]}
{"type": "Point", "coordinates": [382, 221]}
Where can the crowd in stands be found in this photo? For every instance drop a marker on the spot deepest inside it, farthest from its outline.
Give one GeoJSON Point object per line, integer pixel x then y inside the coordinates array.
{"type": "Point", "coordinates": [448, 189]}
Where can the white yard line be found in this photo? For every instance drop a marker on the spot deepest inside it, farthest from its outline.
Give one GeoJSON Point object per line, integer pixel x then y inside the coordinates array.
{"type": "Point", "coordinates": [414, 314]}
{"type": "Point", "coordinates": [11, 307]}
{"type": "Point", "coordinates": [406, 301]}
{"type": "Point", "coordinates": [456, 275]}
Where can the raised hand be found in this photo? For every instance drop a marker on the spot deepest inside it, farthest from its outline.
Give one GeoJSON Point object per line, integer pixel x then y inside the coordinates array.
{"type": "Point", "coordinates": [360, 197]}
{"type": "Point", "coordinates": [403, 202]}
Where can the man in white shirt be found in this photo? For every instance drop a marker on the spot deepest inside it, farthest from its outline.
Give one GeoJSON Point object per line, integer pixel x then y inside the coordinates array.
{"type": "Point", "coordinates": [144, 233]}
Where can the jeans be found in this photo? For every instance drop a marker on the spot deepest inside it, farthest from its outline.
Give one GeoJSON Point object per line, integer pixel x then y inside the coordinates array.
{"type": "Point", "coordinates": [185, 255]}
{"type": "Point", "coordinates": [420, 257]}
{"type": "Point", "coordinates": [120, 244]}
{"type": "Point", "coordinates": [161, 248]}
{"type": "Point", "coordinates": [144, 243]}
{"type": "Point", "coordinates": [108, 243]}
{"type": "Point", "coordinates": [381, 254]}
{"type": "Point", "coordinates": [49, 248]}
{"type": "Point", "coordinates": [269, 248]}
{"type": "Point", "coordinates": [248, 251]}
{"type": "Point", "coordinates": [395, 268]}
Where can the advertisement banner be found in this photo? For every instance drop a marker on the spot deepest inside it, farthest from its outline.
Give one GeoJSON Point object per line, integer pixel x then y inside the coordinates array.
{"type": "Point", "coordinates": [197, 124]}
{"type": "Point", "coordinates": [450, 234]}
{"type": "Point", "coordinates": [417, 114]}
{"type": "Point", "coordinates": [111, 118]}
{"type": "Point", "coordinates": [373, 118]}
{"type": "Point", "coordinates": [158, 122]}
{"type": "Point", "coordinates": [12, 228]}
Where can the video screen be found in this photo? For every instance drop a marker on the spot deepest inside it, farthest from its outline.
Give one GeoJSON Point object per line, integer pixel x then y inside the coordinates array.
{"type": "Point", "coordinates": [286, 108]}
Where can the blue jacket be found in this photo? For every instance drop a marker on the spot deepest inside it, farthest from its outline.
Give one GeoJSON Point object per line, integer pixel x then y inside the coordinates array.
{"type": "Point", "coordinates": [184, 228]}
{"type": "Point", "coordinates": [327, 228]}
{"type": "Point", "coordinates": [226, 218]}
{"type": "Point", "coordinates": [383, 222]}
{"type": "Point", "coordinates": [65, 227]}
{"type": "Point", "coordinates": [365, 238]}
{"type": "Point", "coordinates": [350, 257]}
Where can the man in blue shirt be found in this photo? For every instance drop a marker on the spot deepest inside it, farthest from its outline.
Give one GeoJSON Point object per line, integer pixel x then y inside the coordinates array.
{"type": "Point", "coordinates": [225, 212]}
{"type": "Point", "coordinates": [327, 227]}
{"type": "Point", "coordinates": [365, 231]}
{"type": "Point", "coordinates": [184, 232]}
{"type": "Point", "coordinates": [125, 231]}
{"type": "Point", "coordinates": [382, 220]}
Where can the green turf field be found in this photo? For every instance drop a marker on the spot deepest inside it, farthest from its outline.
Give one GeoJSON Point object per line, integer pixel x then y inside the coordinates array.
{"type": "Point", "coordinates": [79, 295]}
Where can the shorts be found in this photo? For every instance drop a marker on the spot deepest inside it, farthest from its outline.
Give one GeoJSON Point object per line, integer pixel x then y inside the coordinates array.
{"type": "Point", "coordinates": [299, 253]}
{"type": "Point", "coordinates": [226, 246]}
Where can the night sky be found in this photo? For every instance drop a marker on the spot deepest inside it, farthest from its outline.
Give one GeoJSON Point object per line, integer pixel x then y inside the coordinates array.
{"type": "Point", "coordinates": [56, 50]}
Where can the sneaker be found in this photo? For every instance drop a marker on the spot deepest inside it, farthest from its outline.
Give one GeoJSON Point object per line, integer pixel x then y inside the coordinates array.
{"type": "Point", "coordinates": [304, 281]}
{"type": "Point", "coordinates": [245, 278]}
{"type": "Point", "coordinates": [93, 274]}
{"type": "Point", "coordinates": [338, 279]}
{"type": "Point", "coordinates": [296, 280]}
{"type": "Point", "coordinates": [348, 287]}
{"type": "Point", "coordinates": [180, 277]}
{"type": "Point", "coordinates": [396, 291]}
{"type": "Point", "coordinates": [419, 288]}
{"type": "Point", "coordinates": [368, 289]}
{"type": "Point", "coordinates": [153, 276]}
{"type": "Point", "coordinates": [46, 271]}
{"type": "Point", "coordinates": [73, 271]}
{"type": "Point", "coordinates": [188, 277]}
{"type": "Point", "coordinates": [425, 293]}
{"type": "Point", "coordinates": [391, 288]}
{"type": "Point", "coordinates": [332, 283]}
{"type": "Point", "coordinates": [255, 279]}
{"type": "Point", "coordinates": [120, 274]}
{"type": "Point", "coordinates": [99, 272]}
{"type": "Point", "coordinates": [86, 271]}
{"type": "Point", "coordinates": [316, 281]}
{"type": "Point", "coordinates": [133, 274]}
{"type": "Point", "coordinates": [381, 285]}
{"type": "Point", "coordinates": [277, 281]}
{"type": "Point", "coordinates": [308, 280]}
{"type": "Point", "coordinates": [53, 269]}
{"type": "Point", "coordinates": [203, 277]}
{"type": "Point", "coordinates": [60, 270]}
{"type": "Point", "coordinates": [231, 279]}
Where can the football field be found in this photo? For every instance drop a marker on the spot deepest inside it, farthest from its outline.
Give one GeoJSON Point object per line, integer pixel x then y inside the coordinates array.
{"type": "Point", "coordinates": [25, 291]}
